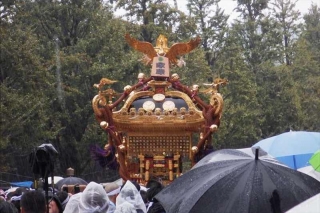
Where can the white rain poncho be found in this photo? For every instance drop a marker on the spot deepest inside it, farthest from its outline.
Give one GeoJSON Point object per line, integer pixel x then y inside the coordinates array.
{"type": "Point", "coordinates": [73, 203]}
{"type": "Point", "coordinates": [93, 199]}
{"type": "Point", "coordinates": [129, 200]}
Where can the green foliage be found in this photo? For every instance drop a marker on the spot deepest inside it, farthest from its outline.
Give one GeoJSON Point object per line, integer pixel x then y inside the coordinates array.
{"type": "Point", "coordinates": [312, 30]}
{"type": "Point", "coordinates": [152, 16]}
{"type": "Point", "coordinates": [287, 18]}
{"type": "Point", "coordinates": [212, 26]}
{"type": "Point", "coordinates": [242, 114]}
{"type": "Point", "coordinates": [306, 75]}
{"type": "Point", "coordinates": [53, 52]}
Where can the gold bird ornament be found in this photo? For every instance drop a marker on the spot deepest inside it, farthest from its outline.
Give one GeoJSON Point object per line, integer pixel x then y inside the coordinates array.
{"type": "Point", "coordinates": [162, 49]}
{"type": "Point", "coordinates": [214, 86]}
{"type": "Point", "coordinates": [103, 82]}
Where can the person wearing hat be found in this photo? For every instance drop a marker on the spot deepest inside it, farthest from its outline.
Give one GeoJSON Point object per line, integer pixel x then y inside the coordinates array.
{"type": "Point", "coordinates": [58, 202]}
{"type": "Point", "coordinates": [112, 190]}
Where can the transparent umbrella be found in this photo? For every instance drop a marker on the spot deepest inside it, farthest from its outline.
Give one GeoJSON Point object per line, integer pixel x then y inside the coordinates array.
{"type": "Point", "coordinates": [70, 181]}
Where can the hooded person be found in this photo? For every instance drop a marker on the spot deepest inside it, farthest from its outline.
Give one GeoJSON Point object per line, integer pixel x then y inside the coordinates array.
{"type": "Point", "coordinates": [93, 199]}
{"type": "Point", "coordinates": [129, 200]}
{"type": "Point", "coordinates": [73, 204]}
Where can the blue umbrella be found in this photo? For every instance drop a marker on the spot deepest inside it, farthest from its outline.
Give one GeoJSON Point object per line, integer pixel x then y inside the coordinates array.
{"type": "Point", "coordinates": [293, 148]}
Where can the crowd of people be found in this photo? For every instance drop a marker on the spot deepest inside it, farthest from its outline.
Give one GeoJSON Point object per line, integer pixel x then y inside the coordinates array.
{"type": "Point", "coordinates": [96, 198]}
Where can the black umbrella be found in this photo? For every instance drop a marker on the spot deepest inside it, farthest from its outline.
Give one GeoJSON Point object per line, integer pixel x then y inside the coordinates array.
{"type": "Point", "coordinates": [70, 181]}
{"type": "Point", "coordinates": [237, 181]}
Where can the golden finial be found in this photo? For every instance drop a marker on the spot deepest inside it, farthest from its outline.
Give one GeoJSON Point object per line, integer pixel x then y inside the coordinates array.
{"type": "Point", "coordinates": [162, 45]}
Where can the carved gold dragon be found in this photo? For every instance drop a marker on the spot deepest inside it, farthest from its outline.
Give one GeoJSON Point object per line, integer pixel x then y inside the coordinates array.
{"type": "Point", "coordinates": [216, 99]}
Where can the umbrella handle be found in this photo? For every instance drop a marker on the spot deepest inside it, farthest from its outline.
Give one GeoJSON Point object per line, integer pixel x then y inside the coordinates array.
{"type": "Point", "coordinates": [257, 154]}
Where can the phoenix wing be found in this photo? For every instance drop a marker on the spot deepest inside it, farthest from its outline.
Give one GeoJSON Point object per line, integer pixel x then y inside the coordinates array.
{"type": "Point", "coordinates": [141, 46]}
{"type": "Point", "coordinates": [180, 49]}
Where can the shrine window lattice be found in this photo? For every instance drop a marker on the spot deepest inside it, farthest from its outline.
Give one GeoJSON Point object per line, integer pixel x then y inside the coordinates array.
{"type": "Point", "coordinates": [158, 145]}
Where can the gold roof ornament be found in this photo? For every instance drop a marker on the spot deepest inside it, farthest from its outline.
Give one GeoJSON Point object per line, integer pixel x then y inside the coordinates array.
{"type": "Point", "coordinates": [103, 81]}
{"type": "Point", "coordinates": [162, 45]}
{"type": "Point", "coordinates": [162, 49]}
{"type": "Point", "coordinates": [214, 86]}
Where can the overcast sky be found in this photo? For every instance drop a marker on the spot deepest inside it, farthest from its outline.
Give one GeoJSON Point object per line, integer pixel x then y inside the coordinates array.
{"type": "Point", "coordinates": [228, 5]}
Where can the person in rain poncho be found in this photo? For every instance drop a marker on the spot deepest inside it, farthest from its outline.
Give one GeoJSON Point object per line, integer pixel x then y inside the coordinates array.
{"type": "Point", "coordinates": [72, 205]}
{"type": "Point", "coordinates": [129, 200]}
{"type": "Point", "coordinates": [93, 199]}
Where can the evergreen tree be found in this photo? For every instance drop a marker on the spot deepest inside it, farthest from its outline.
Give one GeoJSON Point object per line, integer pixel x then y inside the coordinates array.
{"type": "Point", "coordinates": [242, 113]}
{"type": "Point", "coordinates": [306, 71]}
{"type": "Point", "coordinates": [212, 26]}
{"type": "Point", "coordinates": [287, 18]}
{"type": "Point", "coordinates": [23, 81]}
{"type": "Point", "coordinates": [68, 60]}
{"type": "Point", "coordinates": [312, 30]}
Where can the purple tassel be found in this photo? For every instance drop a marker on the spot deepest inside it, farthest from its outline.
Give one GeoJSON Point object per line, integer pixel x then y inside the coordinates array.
{"type": "Point", "coordinates": [100, 156]}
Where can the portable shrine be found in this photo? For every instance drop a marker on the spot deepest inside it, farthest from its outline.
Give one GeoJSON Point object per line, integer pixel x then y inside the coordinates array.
{"type": "Point", "coordinates": [151, 135]}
